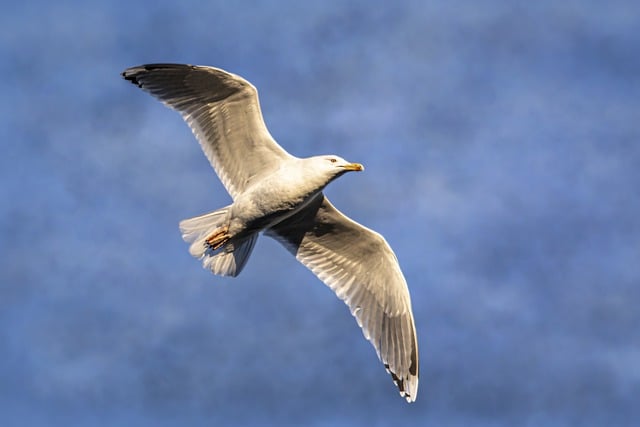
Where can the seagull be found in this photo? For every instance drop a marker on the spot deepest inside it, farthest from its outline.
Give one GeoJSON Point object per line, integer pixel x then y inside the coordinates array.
{"type": "Point", "coordinates": [281, 196]}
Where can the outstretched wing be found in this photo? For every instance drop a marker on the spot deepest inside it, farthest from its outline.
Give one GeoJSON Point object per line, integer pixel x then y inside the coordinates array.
{"type": "Point", "coordinates": [360, 267]}
{"type": "Point", "coordinates": [223, 112]}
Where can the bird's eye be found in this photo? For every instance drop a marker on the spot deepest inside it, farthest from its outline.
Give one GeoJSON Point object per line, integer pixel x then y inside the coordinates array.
{"type": "Point", "coordinates": [332, 160]}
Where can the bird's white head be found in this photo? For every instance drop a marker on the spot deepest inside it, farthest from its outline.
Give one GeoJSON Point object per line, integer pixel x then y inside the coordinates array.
{"type": "Point", "coordinates": [318, 171]}
{"type": "Point", "coordinates": [335, 165]}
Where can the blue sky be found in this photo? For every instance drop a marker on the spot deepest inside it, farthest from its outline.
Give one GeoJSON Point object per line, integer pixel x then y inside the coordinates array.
{"type": "Point", "coordinates": [501, 142]}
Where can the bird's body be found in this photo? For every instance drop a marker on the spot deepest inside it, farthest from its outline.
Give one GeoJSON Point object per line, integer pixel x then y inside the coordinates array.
{"type": "Point", "coordinates": [281, 195]}
{"type": "Point", "coordinates": [284, 192]}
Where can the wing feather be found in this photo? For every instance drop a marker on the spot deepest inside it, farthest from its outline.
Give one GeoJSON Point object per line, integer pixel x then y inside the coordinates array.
{"type": "Point", "coordinates": [224, 114]}
{"type": "Point", "coordinates": [360, 267]}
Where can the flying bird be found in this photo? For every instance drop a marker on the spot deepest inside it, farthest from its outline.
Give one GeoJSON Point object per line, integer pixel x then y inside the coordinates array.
{"type": "Point", "coordinates": [282, 196]}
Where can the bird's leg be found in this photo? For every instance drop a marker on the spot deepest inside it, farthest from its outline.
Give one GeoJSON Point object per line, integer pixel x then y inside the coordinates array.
{"type": "Point", "coordinates": [218, 238]}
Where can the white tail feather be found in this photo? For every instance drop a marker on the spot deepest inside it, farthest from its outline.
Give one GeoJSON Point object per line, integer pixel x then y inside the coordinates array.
{"type": "Point", "coordinates": [230, 259]}
{"type": "Point", "coordinates": [196, 230]}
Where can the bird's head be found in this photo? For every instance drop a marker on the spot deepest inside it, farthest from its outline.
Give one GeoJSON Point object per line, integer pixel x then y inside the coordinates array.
{"type": "Point", "coordinates": [318, 171]}
{"type": "Point", "coordinates": [336, 166]}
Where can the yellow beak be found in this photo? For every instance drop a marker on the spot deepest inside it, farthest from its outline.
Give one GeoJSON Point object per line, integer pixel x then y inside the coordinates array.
{"type": "Point", "coordinates": [354, 167]}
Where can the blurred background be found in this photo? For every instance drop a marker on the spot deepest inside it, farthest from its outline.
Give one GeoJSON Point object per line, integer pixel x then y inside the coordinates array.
{"type": "Point", "coordinates": [501, 141]}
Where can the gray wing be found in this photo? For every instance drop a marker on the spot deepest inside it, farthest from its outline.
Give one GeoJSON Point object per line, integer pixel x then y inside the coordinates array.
{"type": "Point", "coordinates": [360, 267]}
{"type": "Point", "coordinates": [223, 112]}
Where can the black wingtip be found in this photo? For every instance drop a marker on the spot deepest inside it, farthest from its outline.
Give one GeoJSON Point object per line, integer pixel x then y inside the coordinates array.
{"type": "Point", "coordinates": [132, 74]}
{"type": "Point", "coordinates": [399, 382]}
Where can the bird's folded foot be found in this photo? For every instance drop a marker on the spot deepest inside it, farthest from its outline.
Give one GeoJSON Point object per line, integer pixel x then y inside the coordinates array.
{"type": "Point", "coordinates": [218, 238]}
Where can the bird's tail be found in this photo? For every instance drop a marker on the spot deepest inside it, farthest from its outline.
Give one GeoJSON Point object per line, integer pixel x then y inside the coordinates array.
{"type": "Point", "coordinates": [211, 243]}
